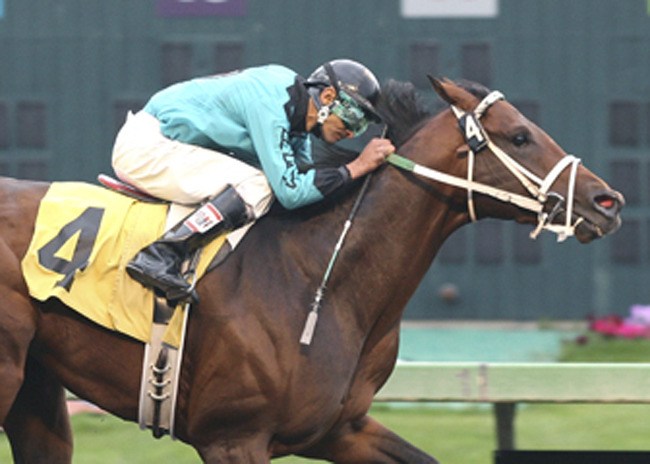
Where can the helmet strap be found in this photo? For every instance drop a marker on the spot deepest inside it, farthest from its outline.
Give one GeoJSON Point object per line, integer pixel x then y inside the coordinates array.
{"type": "Point", "coordinates": [317, 130]}
{"type": "Point", "coordinates": [334, 81]}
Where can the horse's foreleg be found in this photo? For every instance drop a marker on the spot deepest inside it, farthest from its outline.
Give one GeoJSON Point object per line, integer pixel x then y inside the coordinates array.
{"type": "Point", "coordinates": [38, 426]}
{"type": "Point", "coordinates": [366, 440]}
{"type": "Point", "coordinates": [11, 375]}
{"type": "Point", "coordinates": [18, 320]}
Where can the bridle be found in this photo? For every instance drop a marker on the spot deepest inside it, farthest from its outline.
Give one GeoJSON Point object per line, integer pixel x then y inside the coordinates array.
{"type": "Point", "coordinates": [547, 205]}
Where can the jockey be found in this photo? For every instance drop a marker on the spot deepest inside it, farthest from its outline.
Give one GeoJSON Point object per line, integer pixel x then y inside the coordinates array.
{"type": "Point", "coordinates": [233, 143]}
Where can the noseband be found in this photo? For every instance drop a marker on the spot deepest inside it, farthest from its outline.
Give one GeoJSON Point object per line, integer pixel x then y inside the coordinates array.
{"type": "Point", "coordinates": [547, 205]}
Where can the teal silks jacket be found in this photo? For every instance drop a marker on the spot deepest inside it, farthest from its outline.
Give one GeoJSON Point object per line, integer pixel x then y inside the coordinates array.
{"type": "Point", "coordinates": [257, 116]}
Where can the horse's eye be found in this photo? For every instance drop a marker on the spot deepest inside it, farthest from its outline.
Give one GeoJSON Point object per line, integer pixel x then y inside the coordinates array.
{"type": "Point", "coordinates": [520, 139]}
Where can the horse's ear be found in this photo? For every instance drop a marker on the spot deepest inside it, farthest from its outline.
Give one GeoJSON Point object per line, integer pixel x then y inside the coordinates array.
{"type": "Point", "coordinates": [450, 92]}
{"type": "Point", "coordinates": [439, 85]}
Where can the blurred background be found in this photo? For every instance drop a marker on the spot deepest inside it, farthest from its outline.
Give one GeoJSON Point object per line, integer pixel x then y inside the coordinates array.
{"type": "Point", "coordinates": [71, 69]}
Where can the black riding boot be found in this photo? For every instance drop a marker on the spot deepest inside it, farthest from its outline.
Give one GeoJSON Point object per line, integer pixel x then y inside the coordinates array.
{"type": "Point", "coordinates": [159, 265]}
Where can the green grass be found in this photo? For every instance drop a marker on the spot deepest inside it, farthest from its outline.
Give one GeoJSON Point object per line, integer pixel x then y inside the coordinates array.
{"type": "Point", "coordinates": [459, 435]}
{"type": "Point", "coordinates": [456, 434]}
{"type": "Point", "coordinates": [597, 348]}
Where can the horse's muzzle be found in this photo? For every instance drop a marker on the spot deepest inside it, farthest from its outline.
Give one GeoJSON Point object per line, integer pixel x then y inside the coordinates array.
{"type": "Point", "coordinates": [605, 217]}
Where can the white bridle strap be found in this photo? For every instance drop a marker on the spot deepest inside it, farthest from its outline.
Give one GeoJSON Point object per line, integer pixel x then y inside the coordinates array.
{"type": "Point", "coordinates": [529, 180]}
{"type": "Point", "coordinates": [470, 180]}
{"type": "Point", "coordinates": [527, 203]}
{"type": "Point", "coordinates": [488, 101]}
{"type": "Point", "coordinates": [567, 229]}
{"type": "Point", "coordinates": [556, 171]}
{"type": "Point", "coordinates": [470, 172]}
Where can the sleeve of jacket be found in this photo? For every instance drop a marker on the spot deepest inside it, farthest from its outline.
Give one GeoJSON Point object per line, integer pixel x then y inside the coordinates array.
{"type": "Point", "coordinates": [269, 131]}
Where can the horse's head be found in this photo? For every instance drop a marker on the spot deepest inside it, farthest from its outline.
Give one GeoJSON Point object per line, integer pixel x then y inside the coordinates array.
{"type": "Point", "coordinates": [509, 154]}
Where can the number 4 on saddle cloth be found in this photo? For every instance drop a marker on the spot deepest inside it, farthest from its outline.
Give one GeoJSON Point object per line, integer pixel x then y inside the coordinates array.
{"type": "Point", "coordinates": [84, 237]}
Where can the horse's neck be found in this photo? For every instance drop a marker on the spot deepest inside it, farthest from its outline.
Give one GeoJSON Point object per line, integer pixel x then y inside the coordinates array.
{"type": "Point", "coordinates": [430, 211]}
{"type": "Point", "coordinates": [400, 227]}
{"type": "Point", "coordinates": [402, 239]}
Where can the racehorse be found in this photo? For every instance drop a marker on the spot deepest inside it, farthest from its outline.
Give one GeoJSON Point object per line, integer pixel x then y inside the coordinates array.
{"type": "Point", "coordinates": [249, 391]}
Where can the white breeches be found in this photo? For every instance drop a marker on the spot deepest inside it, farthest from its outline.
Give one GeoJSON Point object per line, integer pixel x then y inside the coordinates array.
{"type": "Point", "coordinates": [180, 172]}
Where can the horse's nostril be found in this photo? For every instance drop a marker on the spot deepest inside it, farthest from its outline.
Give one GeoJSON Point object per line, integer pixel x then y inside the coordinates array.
{"type": "Point", "coordinates": [605, 201]}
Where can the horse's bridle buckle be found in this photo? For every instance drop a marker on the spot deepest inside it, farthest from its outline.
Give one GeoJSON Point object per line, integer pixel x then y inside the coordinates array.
{"type": "Point", "coordinates": [553, 205]}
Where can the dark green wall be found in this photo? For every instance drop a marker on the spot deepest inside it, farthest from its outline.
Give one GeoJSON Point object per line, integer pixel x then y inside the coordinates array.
{"type": "Point", "coordinates": [70, 69]}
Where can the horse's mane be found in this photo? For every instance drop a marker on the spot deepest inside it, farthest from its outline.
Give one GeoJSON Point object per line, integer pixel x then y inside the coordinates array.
{"type": "Point", "coordinates": [403, 110]}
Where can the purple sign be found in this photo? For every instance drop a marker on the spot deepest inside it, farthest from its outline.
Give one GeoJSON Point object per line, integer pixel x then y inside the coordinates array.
{"type": "Point", "coordinates": [171, 8]}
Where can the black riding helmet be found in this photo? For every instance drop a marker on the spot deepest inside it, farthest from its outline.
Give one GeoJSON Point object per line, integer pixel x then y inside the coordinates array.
{"type": "Point", "coordinates": [357, 91]}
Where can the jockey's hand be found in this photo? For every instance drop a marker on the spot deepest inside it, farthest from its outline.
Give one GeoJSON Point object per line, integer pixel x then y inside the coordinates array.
{"type": "Point", "coordinates": [372, 156]}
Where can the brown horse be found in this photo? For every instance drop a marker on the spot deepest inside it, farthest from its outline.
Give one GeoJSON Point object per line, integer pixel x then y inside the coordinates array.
{"type": "Point", "coordinates": [248, 390]}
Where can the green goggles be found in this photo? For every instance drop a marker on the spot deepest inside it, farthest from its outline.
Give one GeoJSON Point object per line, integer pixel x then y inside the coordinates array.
{"type": "Point", "coordinates": [348, 111]}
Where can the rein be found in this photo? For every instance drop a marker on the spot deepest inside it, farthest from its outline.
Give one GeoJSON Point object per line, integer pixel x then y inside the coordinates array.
{"type": "Point", "coordinates": [547, 205]}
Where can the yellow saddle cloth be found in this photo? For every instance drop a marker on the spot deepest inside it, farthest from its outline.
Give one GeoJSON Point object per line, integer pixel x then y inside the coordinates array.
{"type": "Point", "coordinates": [84, 237]}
